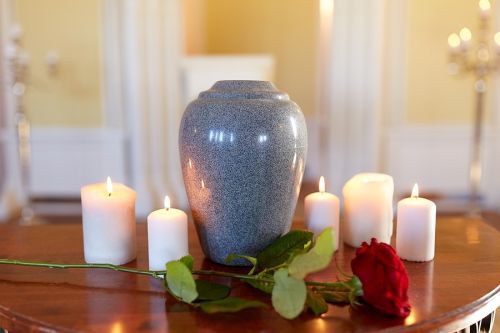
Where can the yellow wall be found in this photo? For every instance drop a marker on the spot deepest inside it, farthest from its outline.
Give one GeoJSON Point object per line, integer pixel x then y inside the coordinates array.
{"type": "Point", "coordinates": [433, 96]}
{"type": "Point", "coordinates": [283, 28]}
{"type": "Point", "coordinates": [73, 97]}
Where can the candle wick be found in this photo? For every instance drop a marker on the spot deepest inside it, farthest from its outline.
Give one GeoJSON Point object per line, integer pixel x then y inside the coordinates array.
{"type": "Point", "coordinates": [167, 208]}
{"type": "Point", "coordinates": [109, 194]}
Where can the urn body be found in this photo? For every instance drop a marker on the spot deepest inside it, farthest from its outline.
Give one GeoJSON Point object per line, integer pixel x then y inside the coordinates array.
{"type": "Point", "coordinates": [243, 148]}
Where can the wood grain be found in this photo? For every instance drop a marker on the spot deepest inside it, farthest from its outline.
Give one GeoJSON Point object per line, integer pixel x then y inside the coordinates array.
{"type": "Point", "coordinates": [456, 289]}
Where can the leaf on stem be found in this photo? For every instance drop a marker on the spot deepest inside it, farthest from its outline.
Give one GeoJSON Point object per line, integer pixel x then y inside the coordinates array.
{"type": "Point", "coordinates": [230, 304]}
{"type": "Point", "coordinates": [316, 303]}
{"type": "Point", "coordinates": [188, 261]}
{"type": "Point", "coordinates": [210, 291]}
{"type": "Point", "coordinates": [180, 281]}
{"type": "Point", "coordinates": [264, 286]}
{"type": "Point", "coordinates": [318, 258]}
{"type": "Point", "coordinates": [336, 297]}
{"type": "Point", "coordinates": [283, 248]}
{"type": "Point", "coordinates": [233, 256]}
{"type": "Point", "coordinates": [289, 294]}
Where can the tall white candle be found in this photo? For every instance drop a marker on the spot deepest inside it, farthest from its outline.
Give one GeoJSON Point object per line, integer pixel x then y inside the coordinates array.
{"type": "Point", "coordinates": [108, 215]}
{"type": "Point", "coordinates": [368, 208]}
{"type": "Point", "coordinates": [322, 211]}
{"type": "Point", "coordinates": [167, 236]}
{"type": "Point", "coordinates": [416, 228]}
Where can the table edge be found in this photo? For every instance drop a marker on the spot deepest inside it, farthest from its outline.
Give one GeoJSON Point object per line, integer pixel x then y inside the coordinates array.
{"type": "Point", "coordinates": [456, 319]}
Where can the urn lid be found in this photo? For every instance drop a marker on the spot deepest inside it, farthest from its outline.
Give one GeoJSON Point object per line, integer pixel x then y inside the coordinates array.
{"type": "Point", "coordinates": [243, 89]}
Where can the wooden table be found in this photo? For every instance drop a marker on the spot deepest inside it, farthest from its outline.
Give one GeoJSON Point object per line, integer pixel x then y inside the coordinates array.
{"type": "Point", "coordinates": [458, 288]}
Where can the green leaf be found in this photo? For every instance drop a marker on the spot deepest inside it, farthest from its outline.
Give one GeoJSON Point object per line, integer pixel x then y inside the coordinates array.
{"type": "Point", "coordinates": [336, 297]}
{"type": "Point", "coordinates": [318, 258]}
{"type": "Point", "coordinates": [289, 294]}
{"type": "Point", "coordinates": [266, 287]}
{"type": "Point", "coordinates": [180, 281]}
{"type": "Point", "coordinates": [283, 248]}
{"type": "Point", "coordinates": [188, 261]}
{"type": "Point", "coordinates": [316, 303]}
{"type": "Point", "coordinates": [230, 304]}
{"type": "Point", "coordinates": [234, 256]}
{"type": "Point", "coordinates": [210, 291]}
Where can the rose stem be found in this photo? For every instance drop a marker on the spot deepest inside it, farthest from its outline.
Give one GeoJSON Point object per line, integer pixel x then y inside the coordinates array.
{"type": "Point", "coordinates": [155, 274]}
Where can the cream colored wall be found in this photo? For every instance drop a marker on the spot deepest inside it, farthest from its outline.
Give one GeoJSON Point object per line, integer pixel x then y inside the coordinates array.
{"type": "Point", "coordinates": [71, 98]}
{"type": "Point", "coordinates": [286, 29]}
{"type": "Point", "coordinates": [433, 96]}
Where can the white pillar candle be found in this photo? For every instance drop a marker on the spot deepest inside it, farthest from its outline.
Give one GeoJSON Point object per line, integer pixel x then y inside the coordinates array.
{"type": "Point", "coordinates": [416, 228]}
{"type": "Point", "coordinates": [368, 208]}
{"type": "Point", "coordinates": [108, 214]}
{"type": "Point", "coordinates": [322, 211]}
{"type": "Point", "coordinates": [167, 236]}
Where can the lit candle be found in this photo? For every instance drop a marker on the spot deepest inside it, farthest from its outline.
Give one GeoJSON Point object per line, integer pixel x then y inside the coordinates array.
{"type": "Point", "coordinates": [484, 8]}
{"type": "Point", "coordinates": [368, 208]}
{"type": "Point", "coordinates": [454, 42]}
{"type": "Point", "coordinates": [416, 228]}
{"type": "Point", "coordinates": [322, 211]}
{"type": "Point", "coordinates": [167, 236]}
{"type": "Point", "coordinates": [108, 215]}
{"type": "Point", "coordinates": [496, 38]}
{"type": "Point", "coordinates": [465, 38]}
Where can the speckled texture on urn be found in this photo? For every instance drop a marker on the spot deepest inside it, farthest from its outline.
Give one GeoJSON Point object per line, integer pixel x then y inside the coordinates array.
{"type": "Point", "coordinates": [243, 148]}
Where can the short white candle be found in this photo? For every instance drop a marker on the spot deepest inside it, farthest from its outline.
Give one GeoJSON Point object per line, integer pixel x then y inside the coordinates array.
{"type": "Point", "coordinates": [322, 211]}
{"type": "Point", "coordinates": [167, 236]}
{"type": "Point", "coordinates": [416, 228]}
{"type": "Point", "coordinates": [368, 208]}
{"type": "Point", "coordinates": [108, 214]}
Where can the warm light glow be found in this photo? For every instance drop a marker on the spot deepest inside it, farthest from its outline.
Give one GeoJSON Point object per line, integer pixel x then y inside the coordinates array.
{"type": "Point", "coordinates": [414, 191]}
{"type": "Point", "coordinates": [497, 38]}
{"type": "Point", "coordinates": [454, 40]}
{"type": "Point", "coordinates": [411, 319]}
{"type": "Point", "coordinates": [117, 327]}
{"type": "Point", "coordinates": [322, 184]}
{"type": "Point", "coordinates": [202, 184]}
{"type": "Point", "coordinates": [109, 185]}
{"type": "Point", "coordinates": [166, 202]}
{"type": "Point", "coordinates": [465, 34]}
{"type": "Point", "coordinates": [326, 7]}
{"type": "Point", "coordinates": [484, 5]}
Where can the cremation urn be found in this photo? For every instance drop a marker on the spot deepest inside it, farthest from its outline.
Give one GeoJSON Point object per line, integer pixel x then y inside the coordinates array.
{"type": "Point", "coordinates": [243, 148]}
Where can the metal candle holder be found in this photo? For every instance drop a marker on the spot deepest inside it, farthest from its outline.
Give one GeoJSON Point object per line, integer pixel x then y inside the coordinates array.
{"type": "Point", "coordinates": [481, 64]}
{"type": "Point", "coordinates": [17, 62]}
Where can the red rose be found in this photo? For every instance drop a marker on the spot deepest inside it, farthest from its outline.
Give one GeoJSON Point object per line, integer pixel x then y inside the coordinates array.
{"type": "Point", "coordinates": [384, 278]}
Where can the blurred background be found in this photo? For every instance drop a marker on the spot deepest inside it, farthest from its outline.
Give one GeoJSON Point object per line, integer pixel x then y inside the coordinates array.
{"type": "Point", "coordinates": [91, 88]}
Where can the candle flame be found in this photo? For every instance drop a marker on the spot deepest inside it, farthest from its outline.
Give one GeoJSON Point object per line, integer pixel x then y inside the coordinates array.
{"type": "Point", "coordinates": [109, 186]}
{"type": "Point", "coordinates": [454, 40]}
{"type": "Point", "coordinates": [322, 184]}
{"type": "Point", "coordinates": [484, 5]}
{"type": "Point", "coordinates": [166, 202]}
{"type": "Point", "coordinates": [414, 191]}
{"type": "Point", "coordinates": [465, 34]}
{"type": "Point", "coordinates": [497, 38]}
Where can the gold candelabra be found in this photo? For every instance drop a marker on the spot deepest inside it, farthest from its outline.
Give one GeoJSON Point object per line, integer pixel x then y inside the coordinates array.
{"type": "Point", "coordinates": [481, 62]}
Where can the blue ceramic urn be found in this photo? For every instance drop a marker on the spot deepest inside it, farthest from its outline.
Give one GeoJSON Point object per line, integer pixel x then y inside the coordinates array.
{"type": "Point", "coordinates": [243, 148]}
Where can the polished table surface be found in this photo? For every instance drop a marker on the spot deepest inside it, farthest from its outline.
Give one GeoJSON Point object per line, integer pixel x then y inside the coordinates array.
{"type": "Point", "coordinates": [459, 287]}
